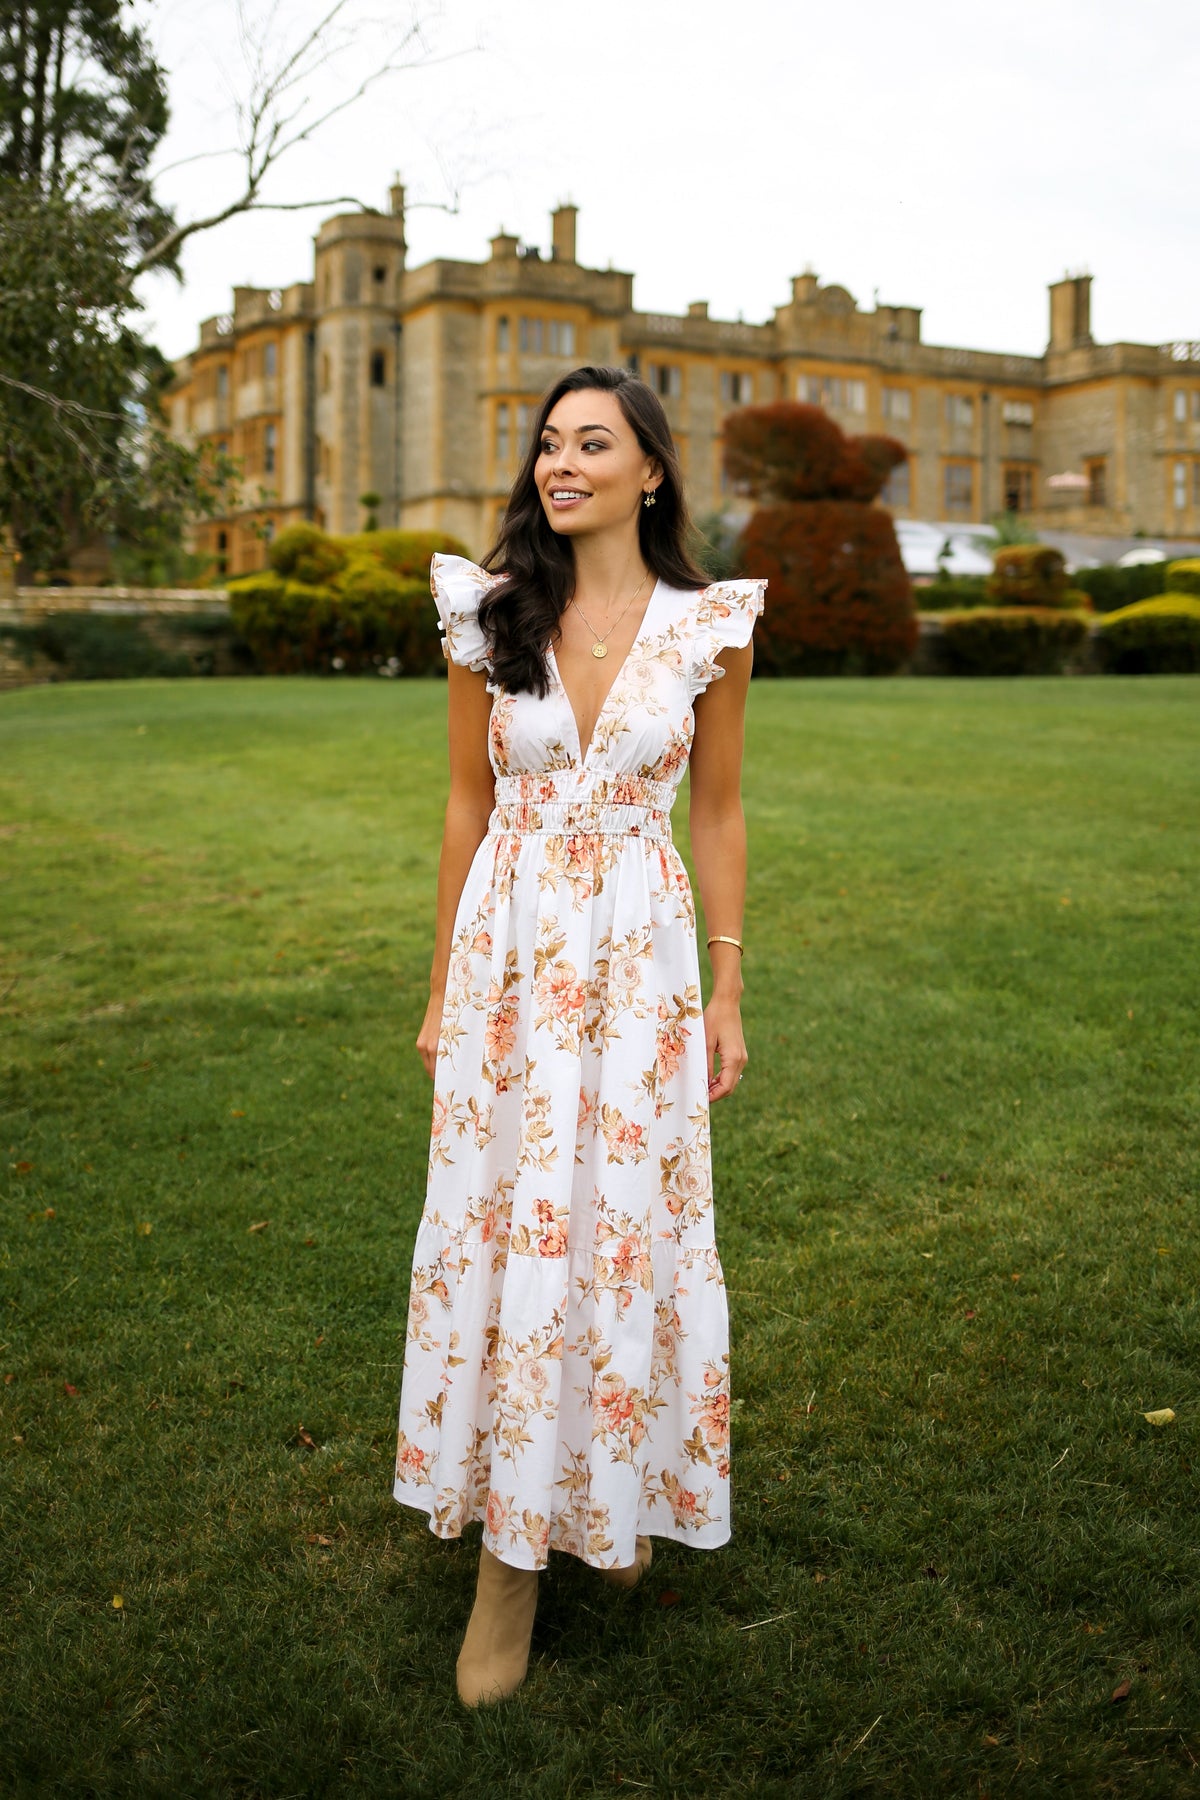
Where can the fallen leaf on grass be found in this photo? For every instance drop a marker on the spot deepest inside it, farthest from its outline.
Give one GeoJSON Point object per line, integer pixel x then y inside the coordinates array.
{"type": "Point", "coordinates": [69, 1390]}
{"type": "Point", "coordinates": [305, 1439]}
{"type": "Point", "coordinates": [144, 1228]}
{"type": "Point", "coordinates": [315, 1537]}
{"type": "Point", "coordinates": [236, 1113]}
{"type": "Point", "coordinates": [989, 1739]}
{"type": "Point", "coordinates": [1121, 1692]}
{"type": "Point", "coordinates": [669, 1597]}
{"type": "Point", "coordinates": [261, 1226]}
{"type": "Point", "coordinates": [1164, 1416]}
{"type": "Point", "coordinates": [8, 1379]}
{"type": "Point", "coordinates": [23, 1168]}
{"type": "Point", "coordinates": [310, 1243]}
{"type": "Point", "coordinates": [118, 1601]}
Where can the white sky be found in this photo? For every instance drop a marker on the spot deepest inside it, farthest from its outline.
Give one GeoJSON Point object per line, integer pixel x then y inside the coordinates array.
{"type": "Point", "coordinates": [952, 155]}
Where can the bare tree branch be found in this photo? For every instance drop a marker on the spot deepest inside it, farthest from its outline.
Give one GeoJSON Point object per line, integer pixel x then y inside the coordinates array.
{"type": "Point", "coordinates": [275, 115]}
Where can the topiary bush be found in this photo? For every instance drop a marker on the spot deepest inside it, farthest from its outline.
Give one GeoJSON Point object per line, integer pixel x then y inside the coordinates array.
{"type": "Point", "coordinates": [1160, 636]}
{"type": "Point", "coordinates": [1010, 641]}
{"type": "Point", "coordinates": [366, 611]}
{"type": "Point", "coordinates": [841, 600]}
{"type": "Point", "coordinates": [1028, 575]}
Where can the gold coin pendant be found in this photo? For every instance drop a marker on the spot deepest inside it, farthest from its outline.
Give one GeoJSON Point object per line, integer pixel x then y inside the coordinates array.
{"type": "Point", "coordinates": [599, 651]}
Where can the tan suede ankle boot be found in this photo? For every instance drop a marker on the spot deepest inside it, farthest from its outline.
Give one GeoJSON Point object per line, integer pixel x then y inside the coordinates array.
{"type": "Point", "coordinates": [495, 1651]}
{"type": "Point", "coordinates": [630, 1576]}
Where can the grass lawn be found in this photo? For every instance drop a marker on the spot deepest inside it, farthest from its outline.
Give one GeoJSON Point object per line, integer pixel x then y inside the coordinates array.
{"type": "Point", "coordinates": [956, 1204]}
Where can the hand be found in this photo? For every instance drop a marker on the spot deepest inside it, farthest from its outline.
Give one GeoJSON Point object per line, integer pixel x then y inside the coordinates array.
{"type": "Point", "coordinates": [431, 1030]}
{"type": "Point", "coordinates": [726, 1047]}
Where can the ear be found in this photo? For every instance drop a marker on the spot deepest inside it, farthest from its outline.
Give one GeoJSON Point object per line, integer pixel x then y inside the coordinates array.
{"type": "Point", "coordinates": [652, 475]}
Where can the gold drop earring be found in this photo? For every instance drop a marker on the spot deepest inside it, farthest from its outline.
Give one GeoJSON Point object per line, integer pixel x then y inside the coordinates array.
{"type": "Point", "coordinates": [650, 499]}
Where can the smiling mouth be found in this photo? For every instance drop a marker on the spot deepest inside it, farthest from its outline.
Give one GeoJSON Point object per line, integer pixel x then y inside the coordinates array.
{"type": "Point", "coordinates": [561, 496]}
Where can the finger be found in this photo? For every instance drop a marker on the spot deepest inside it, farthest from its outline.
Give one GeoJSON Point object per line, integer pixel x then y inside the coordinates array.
{"type": "Point", "coordinates": [710, 1049]}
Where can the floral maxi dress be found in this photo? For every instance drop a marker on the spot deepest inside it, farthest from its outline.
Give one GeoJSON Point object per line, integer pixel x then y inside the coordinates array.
{"type": "Point", "coordinates": [566, 1371]}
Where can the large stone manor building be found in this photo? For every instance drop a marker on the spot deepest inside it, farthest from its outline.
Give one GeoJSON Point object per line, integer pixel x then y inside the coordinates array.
{"type": "Point", "coordinates": [417, 386]}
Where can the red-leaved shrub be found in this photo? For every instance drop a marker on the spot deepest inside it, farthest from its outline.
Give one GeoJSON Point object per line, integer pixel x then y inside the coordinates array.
{"type": "Point", "coordinates": [839, 597]}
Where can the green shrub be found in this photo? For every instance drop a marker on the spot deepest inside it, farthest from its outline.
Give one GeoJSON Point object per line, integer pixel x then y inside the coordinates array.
{"type": "Point", "coordinates": [952, 593]}
{"type": "Point", "coordinates": [308, 554]}
{"type": "Point", "coordinates": [1153, 637]}
{"type": "Point", "coordinates": [1111, 587]}
{"type": "Point", "coordinates": [97, 647]}
{"type": "Point", "coordinates": [1028, 575]}
{"type": "Point", "coordinates": [355, 603]}
{"type": "Point", "coordinates": [1183, 577]}
{"type": "Point", "coordinates": [406, 553]}
{"type": "Point", "coordinates": [1030, 640]}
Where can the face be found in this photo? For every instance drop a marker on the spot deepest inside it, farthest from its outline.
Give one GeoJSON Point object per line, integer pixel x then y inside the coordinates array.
{"type": "Point", "coordinates": [591, 472]}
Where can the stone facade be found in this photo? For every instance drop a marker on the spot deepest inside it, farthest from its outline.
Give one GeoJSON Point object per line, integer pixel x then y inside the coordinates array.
{"type": "Point", "coordinates": [417, 386]}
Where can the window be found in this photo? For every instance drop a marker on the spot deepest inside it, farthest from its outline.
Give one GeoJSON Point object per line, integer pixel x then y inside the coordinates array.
{"type": "Point", "coordinates": [503, 339]}
{"type": "Point", "coordinates": [268, 530]}
{"type": "Point", "coordinates": [1196, 485]}
{"type": "Point", "coordinates": [378, 368]}
{"type": "Point", "coordinates": [737, 387]}
{"type": "Point", "coordinates": [897, 489]}
{"type": "Point", "coordinates": [503, 432]}
{"type": "Point", "coordinates": [223, 381]}
{"type": "Point", "coordinates": [1179, 485]}
{"type": "Point", "coordinates": [270, 439]}
{"type": "Point", "coordinates": [834, 392]}
{"type": "Point", "coordinates": [1196, 403]}
{"type": "Point", "coordinates": [222, 541]}
{"type": "Point", "coordinates": [325, 374]}
{"type": "Point", "coordinates": [1018, 489]}
{"type": "Point", "coordinates": [222, 446]}
{"type": "Point", "coordinates": [960, 412]}
{"type": "Point", "coordinates": [531, 337]}
{"type": "Point", "coordinates": [270, 359]}
{"type": "Point", "coordinates": [1018, 412]}
{"type": "Point", "coordinates": [524, 421]}
{"type": "Point", "coordinates": [1097, 474]}
{"type": "Point", "coordinates": [379, 273]}
{"type": "Point", "coordinates": [562, 337]}
{"type": "Point", "coordinates": [666, 379]}
{"type": "Point", "coordinates": [959, 490]}
{"type": "Point", "coordinates": [897, 405]}
{"type": "Point", "coordinates": [1181, 406]}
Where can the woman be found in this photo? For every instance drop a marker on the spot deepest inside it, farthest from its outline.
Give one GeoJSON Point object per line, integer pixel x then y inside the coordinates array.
{"type": "Point", "coordinates": [566, 1364]}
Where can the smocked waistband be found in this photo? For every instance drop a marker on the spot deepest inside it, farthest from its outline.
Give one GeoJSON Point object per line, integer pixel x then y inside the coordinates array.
{"type": "Point", "coordinates": [582, 803]}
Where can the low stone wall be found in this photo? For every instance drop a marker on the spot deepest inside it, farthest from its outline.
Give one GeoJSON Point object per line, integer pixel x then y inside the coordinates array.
{"type": "Point", "coordinates": [25, 604]}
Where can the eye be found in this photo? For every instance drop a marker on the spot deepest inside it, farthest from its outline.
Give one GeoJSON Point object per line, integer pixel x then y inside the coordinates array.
{"type": "Point", "coordinates": [595, 444]}
{"type": "Point", "coordinates": [548, 446]}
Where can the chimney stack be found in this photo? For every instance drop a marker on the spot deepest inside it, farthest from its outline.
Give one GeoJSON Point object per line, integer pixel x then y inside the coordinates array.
{"type": "Point", "coordinates": [562, 224]}
{"type": "Point", "coordinates": [1071, 312]}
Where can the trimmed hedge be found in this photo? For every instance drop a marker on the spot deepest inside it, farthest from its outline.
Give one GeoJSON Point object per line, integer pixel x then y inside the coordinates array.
{"type": "Point", "coordinates": [1153, 637]}
{"type": "Point", "coordinates": [97, 647]}
{"type": "Point", "coordinates": [1029, 640]}
{"type": "Point", "coordinates": [1111, 587]}
{"type": "Point", "coordinates": [348, 604]}
{"type": "Point", "coordinates": [952, 593]}
{"type": "Point", "coordinates": [1183, 577]}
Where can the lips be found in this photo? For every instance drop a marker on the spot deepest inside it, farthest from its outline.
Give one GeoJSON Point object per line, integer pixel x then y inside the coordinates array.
{"type": "Point", "coordinates": [563, 497]}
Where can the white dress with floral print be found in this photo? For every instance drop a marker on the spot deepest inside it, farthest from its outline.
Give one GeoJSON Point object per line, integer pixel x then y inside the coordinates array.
{"type": "Point", "coordinates": [566, 1373]}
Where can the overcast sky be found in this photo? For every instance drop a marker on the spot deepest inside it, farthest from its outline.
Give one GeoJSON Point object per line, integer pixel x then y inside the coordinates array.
{"type": "Point", "coordinates": [951, 156]}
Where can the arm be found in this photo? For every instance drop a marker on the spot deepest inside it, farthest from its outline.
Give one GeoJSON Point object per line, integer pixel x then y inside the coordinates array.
{"type": "Point", "coordinates": [472, 795]}
{"type": "Point", "coordinates": [718, 828]}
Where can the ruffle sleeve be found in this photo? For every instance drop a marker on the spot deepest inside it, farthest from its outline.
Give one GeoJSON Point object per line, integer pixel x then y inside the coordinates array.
{"type": "Point", "coordinates": [724, 619]}
{"type": "Point", "coordinates": [458, 586]}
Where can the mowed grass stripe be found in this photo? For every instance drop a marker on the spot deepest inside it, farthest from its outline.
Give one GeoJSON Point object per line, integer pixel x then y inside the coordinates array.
{"type": "Point", "coordinates": [956, 1206]}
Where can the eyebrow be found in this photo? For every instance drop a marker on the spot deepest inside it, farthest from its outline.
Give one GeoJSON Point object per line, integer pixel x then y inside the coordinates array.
{"type": "Point", "coordinates": [582, 429]}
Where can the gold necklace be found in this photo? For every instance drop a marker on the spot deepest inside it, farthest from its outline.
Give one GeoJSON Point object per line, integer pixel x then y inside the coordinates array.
{"type": "Point", "coordinates": [600, 648]}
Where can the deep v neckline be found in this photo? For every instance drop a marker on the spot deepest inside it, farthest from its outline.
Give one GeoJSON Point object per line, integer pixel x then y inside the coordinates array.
{"type": "Point", "coordinates": [583, 753]}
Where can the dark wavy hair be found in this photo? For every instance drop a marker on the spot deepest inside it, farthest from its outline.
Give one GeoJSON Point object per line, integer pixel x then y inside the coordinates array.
{"type": "Point", "coordinates": [520, 615]}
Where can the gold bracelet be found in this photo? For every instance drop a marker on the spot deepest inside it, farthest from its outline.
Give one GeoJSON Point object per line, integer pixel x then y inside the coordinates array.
{"type": "Point", "coordinates": [719, 937]}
